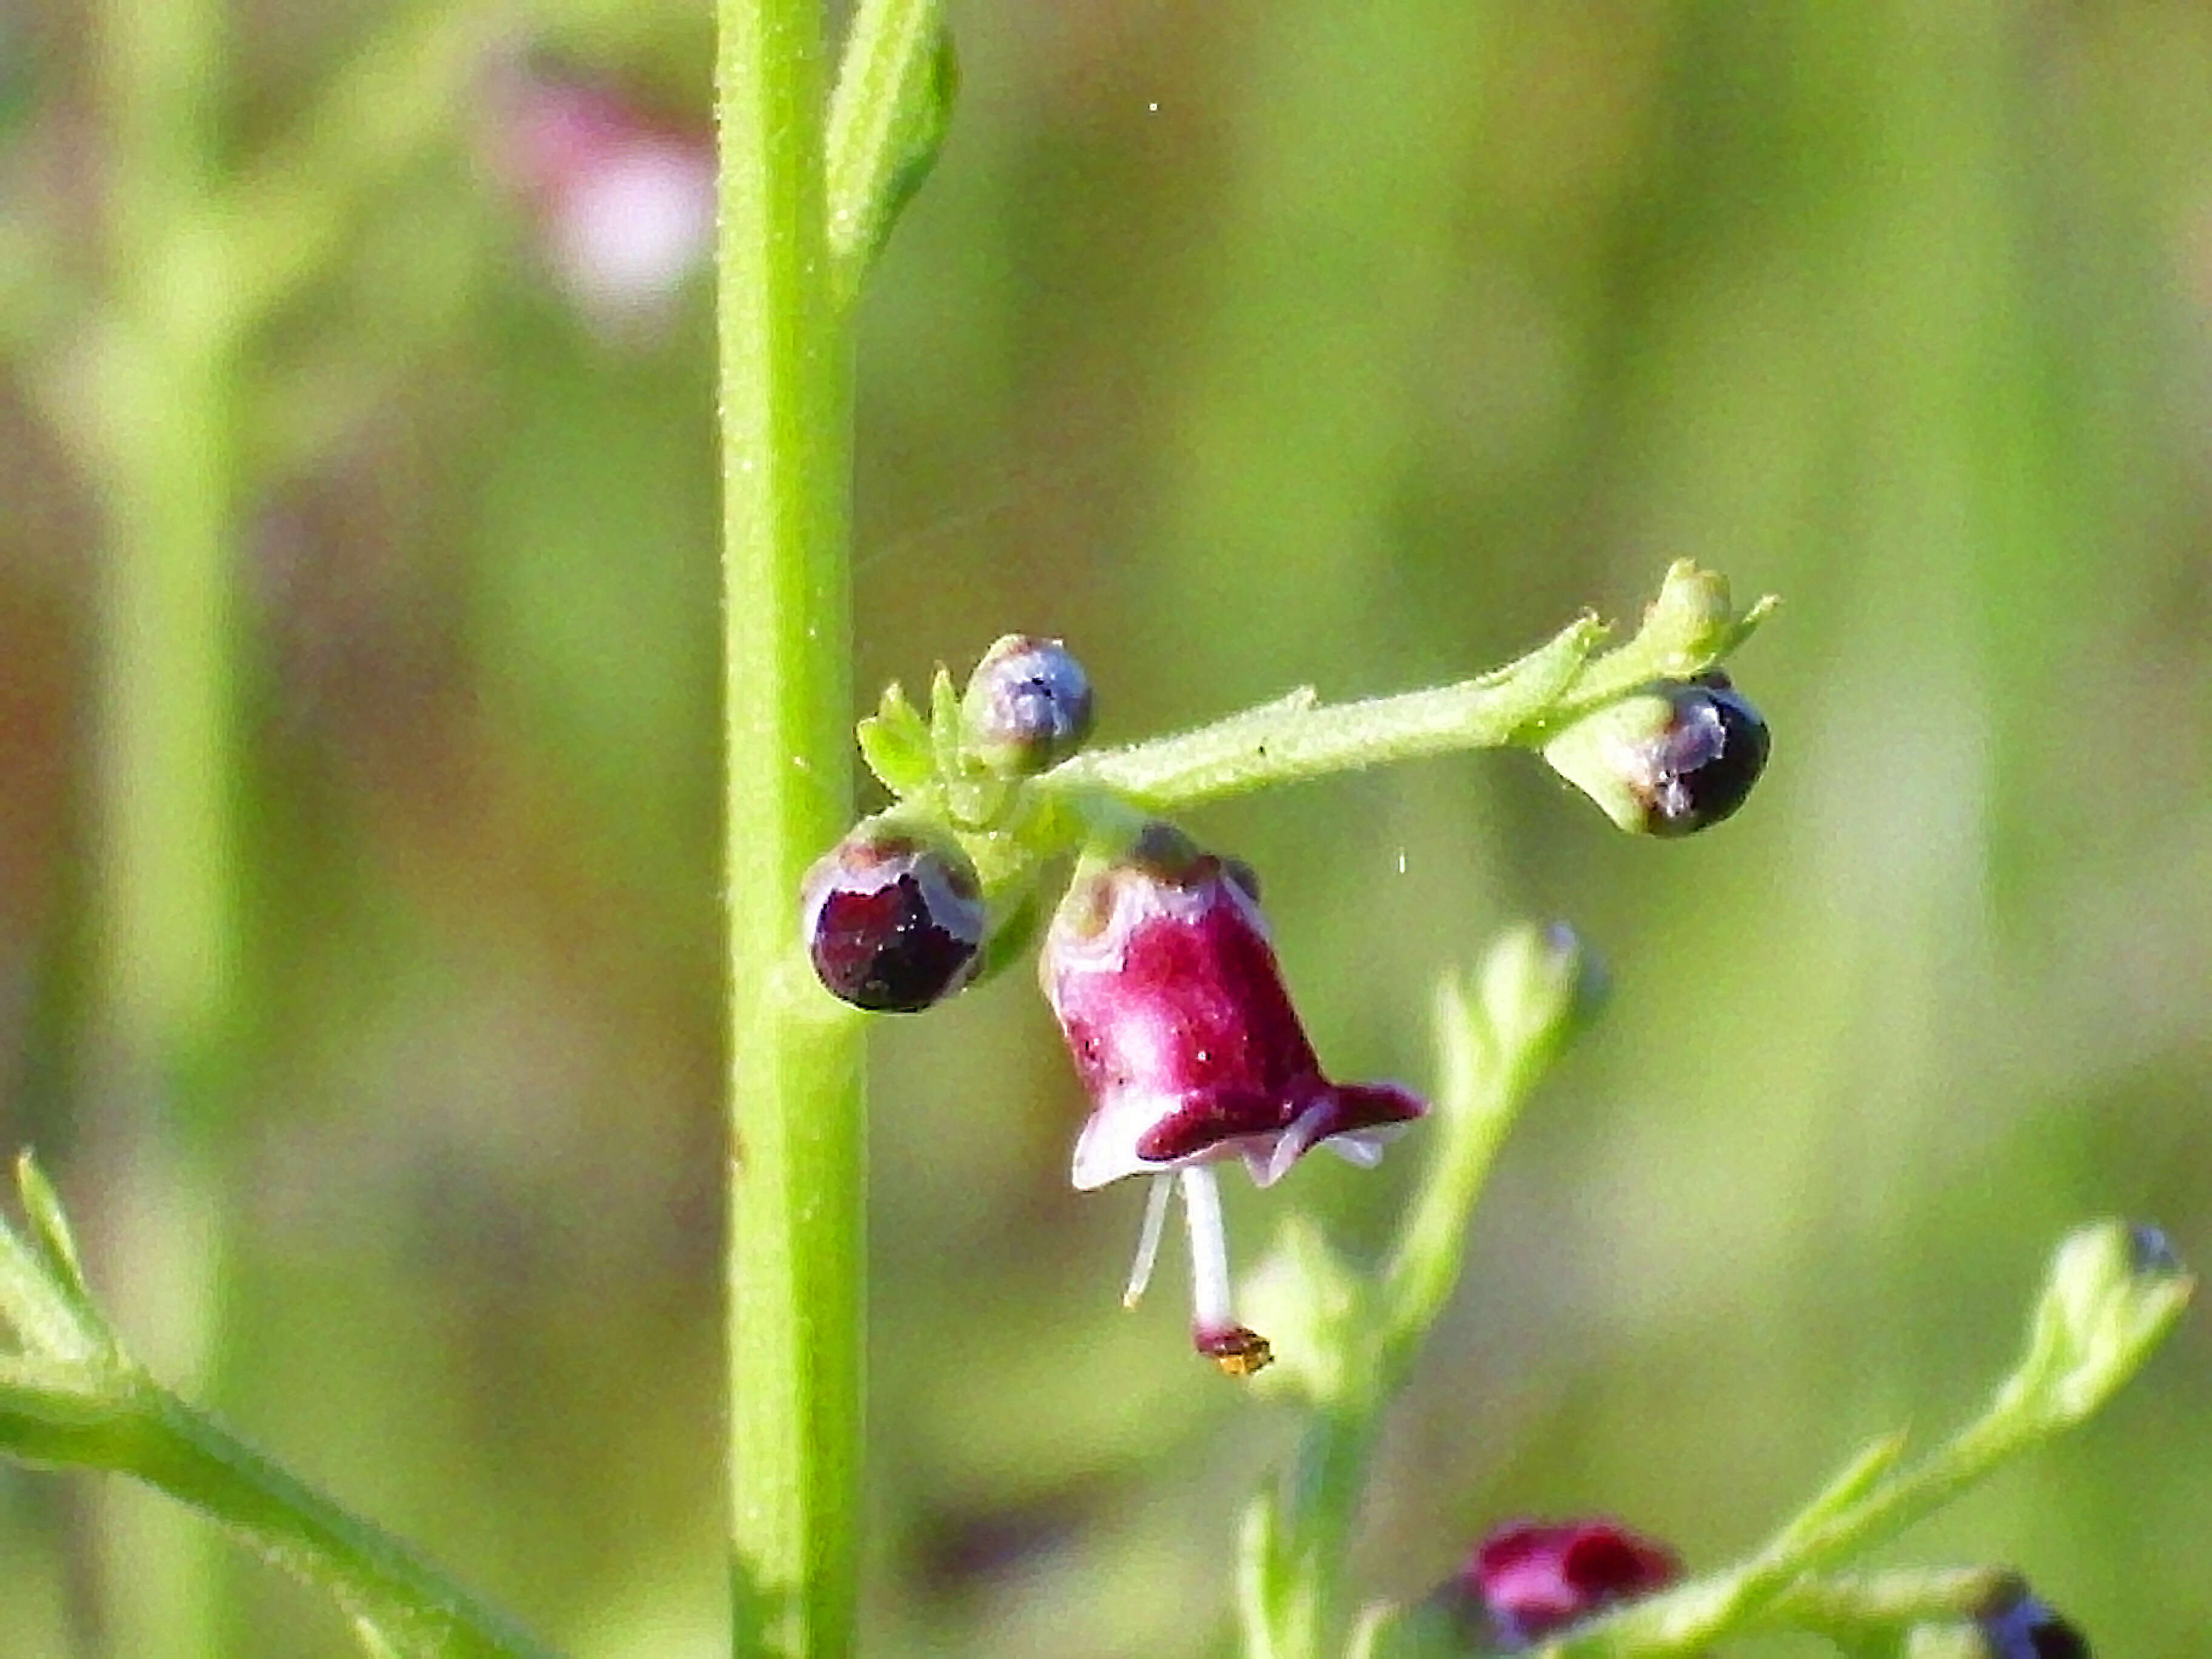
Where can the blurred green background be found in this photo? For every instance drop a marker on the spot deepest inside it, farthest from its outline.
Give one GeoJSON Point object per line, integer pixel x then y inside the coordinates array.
{"type": "Point", "coordinates": [373, 1037]}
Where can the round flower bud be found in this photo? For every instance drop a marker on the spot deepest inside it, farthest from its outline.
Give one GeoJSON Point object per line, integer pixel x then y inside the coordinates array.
{"type": "Point", "coordinates": [1670, 760]}
{"type": "Point", "coordinates": [2023, 1626]}
{"type": "Point", "coordinates": [893, 918]}
{"type": "Point", "coordinates": [1027, 706]}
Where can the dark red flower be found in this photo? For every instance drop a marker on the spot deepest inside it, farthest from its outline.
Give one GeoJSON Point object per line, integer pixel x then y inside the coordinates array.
{"type": "Point", "coordinates": [1167, 989]}
{"type": "Point", "coordinates": [1533, 1578]}
{"type": "Point", "coordinates": [1159, 968]}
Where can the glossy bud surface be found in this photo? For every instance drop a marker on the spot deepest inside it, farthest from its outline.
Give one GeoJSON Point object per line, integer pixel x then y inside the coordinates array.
{"type": "Point", "coordinates": [1027, 706]}
{"type": "Point", "coordinates": [1674, 758]}
{"type": "Point", "coordinates": [2024, 1628]}
{"type": "Point", "coordinates": [893, 921]}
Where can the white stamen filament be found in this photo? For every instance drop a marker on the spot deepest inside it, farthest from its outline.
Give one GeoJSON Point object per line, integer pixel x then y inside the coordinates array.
{"type": "Point", "coordinates": [1148, 1242]}
{"type": "Point", "coordinates": [1209, 1251]}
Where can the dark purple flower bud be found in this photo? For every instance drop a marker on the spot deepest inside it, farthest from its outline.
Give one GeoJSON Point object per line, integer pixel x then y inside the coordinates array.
{"type": "Point", "coordinates": [1027, 706]}
{"type": "Point", "coordinates": [1670, 760]}
{"type": "Point", "coordinates": [893, 918]}
{"type": "Point", "coordinates": [1159, 968]}
{"type": "Point", "coordinates": [1531, 1578]}
{"type": "Point", "coordinates": [2020, 1625]}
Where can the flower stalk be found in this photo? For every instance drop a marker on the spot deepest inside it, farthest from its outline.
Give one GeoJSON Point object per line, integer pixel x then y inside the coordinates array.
{"type": "Point", "coordinates": [1351, 1340]}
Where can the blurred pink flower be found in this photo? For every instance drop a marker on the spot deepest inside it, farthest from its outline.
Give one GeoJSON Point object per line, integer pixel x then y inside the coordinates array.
{"type": "Point", "coordinates": [1532, 1578]}
{"type": "Point", "coordinates": [622, 199]}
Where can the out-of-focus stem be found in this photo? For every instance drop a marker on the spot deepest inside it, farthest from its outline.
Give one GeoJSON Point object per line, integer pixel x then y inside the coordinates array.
{"type": "Point", "coordinates": [160, 420]}
{"type": "Point", "coordinates": [156, 424]}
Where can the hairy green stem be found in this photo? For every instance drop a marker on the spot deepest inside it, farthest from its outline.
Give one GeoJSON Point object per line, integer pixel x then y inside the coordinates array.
{"type": "Point", "coordinates": [797, 1238]}
{"type": "Point", "coordinates": [1688, 627]}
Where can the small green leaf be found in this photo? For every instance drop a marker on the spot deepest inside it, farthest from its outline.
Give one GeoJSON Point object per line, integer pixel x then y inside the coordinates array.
{"type": "Point", "coordinates": [895, 741]}
{"type": "Point", "coordinates": [62, 1411]}
{"type": "Point", "coordinates": [889, 115]}
{"type": "Point", "coordinates": [920, 134]}
{"type": "Point", "coordinates": [41, 1307]}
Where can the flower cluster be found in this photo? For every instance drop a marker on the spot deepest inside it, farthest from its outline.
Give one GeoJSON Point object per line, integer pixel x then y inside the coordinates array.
{"type": "Point", "coordinates": [1157, 961]}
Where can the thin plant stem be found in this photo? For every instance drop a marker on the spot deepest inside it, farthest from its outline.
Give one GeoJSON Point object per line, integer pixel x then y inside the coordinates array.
{"type": "Point", "coordinates": [797, 1166]}
{"type": "Point", "coordinates": [158, 425]}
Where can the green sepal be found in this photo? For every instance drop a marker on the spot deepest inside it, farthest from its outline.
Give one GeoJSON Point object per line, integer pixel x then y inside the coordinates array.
{"type": "Point", "coordinates": [1690, 626]}
{"type": "Point", "coordinates": [945, 727]}
{"type": "Point", "coordinates": [895, 741]}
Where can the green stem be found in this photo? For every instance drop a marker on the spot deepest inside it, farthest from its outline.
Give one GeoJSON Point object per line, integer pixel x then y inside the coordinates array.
{"type": "Point", "coordinates": [160, 421]}
{"type": "Point", "coordinates": [796, 1262]}
{"type": "Point", "coordinates": [1688, 627]}
{"type": "Point", "coordinates": [1493, 1055]}
{"type": "Point", "coordinates": [159, 427]}
{"type": "Point", "coordinates": [1296, 739]}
